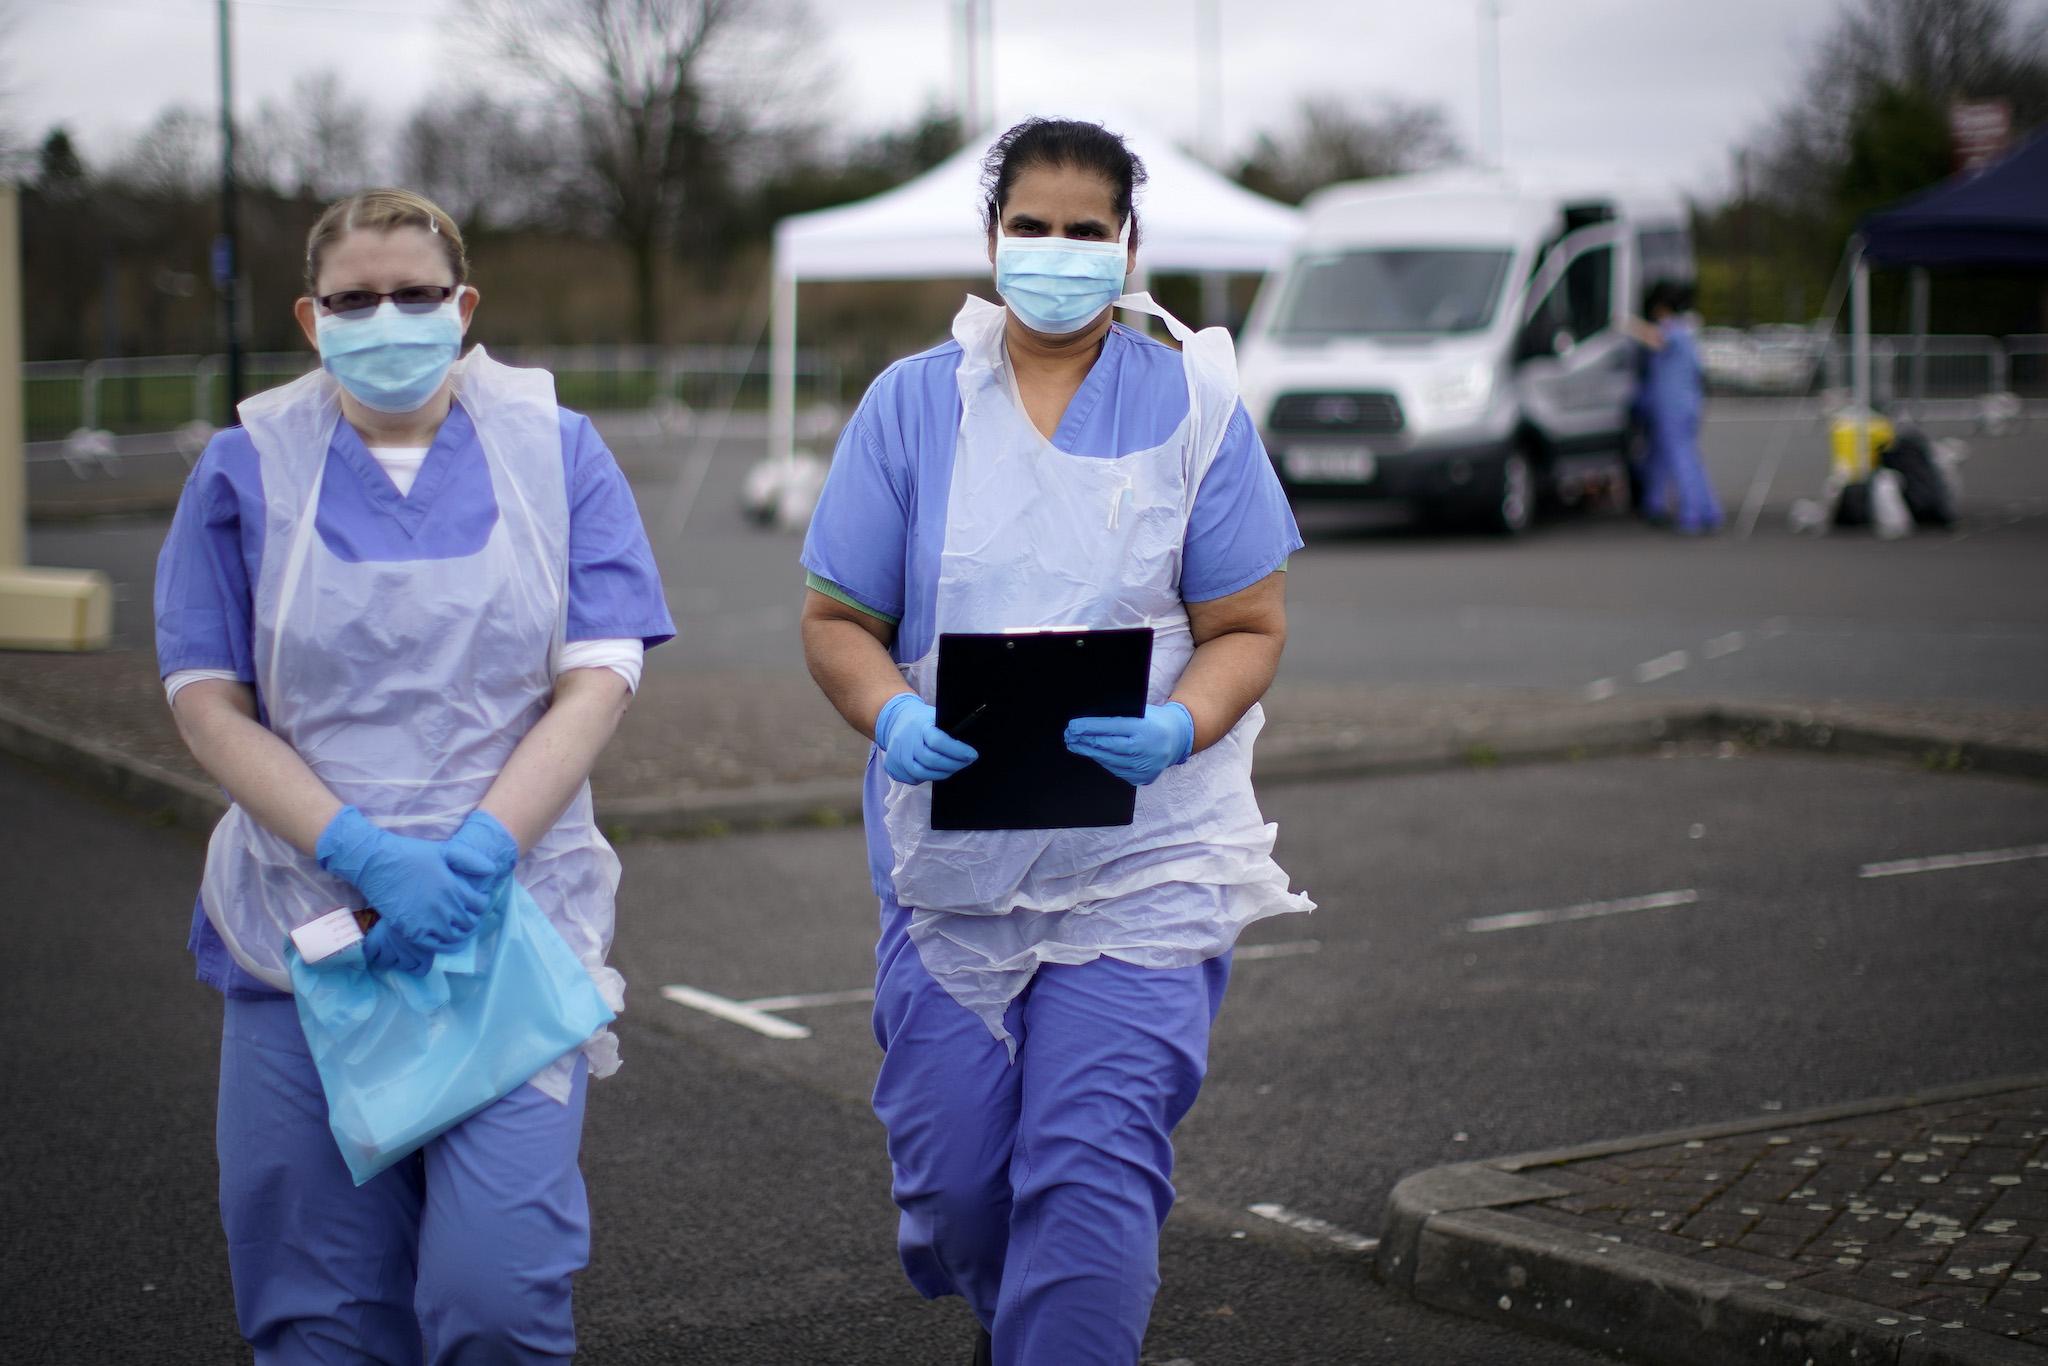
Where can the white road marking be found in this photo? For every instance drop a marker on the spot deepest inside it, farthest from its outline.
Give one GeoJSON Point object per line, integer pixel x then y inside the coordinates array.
{"type": "Point", "coordinates": [1939, 862]}
{"type": "Point", "coordinates": [1320, 1228]}
{"type": "Point", "coordinates": [1760, 486]}
{"type": "Point", "coordinates": [1600, 689]}
{"type": "Point", "coordinates": [1292, 948]}
{"type": "Point", "coordinates": [1650, 670]}
{"type": "Point", "coordinates": [759, 1014]}
{"type": "Point", "coordinates": [1723, 645]}
{"type": "Point", "coordinates": [858, 995]}
{"type": "Point", "coordinates": [1519, 920]}
{"type": "Point", "coordinates": [735, 1012]}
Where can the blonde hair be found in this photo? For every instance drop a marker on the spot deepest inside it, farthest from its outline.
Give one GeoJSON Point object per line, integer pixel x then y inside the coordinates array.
{"type": "Point", "coordinates": [384, 210]}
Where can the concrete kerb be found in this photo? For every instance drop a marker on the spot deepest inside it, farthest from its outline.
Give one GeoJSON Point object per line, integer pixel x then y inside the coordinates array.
{"type": "Point", "coordinates": [1452, 1239]}
{"type": "Point", "coordinates": [1586, 734]}
{"type": "Point", "coordinates": [166, 795]}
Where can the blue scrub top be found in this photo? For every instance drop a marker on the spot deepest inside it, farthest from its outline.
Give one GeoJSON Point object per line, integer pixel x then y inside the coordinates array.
{"type": "Point", "coordinates": [214, 551]}
{"type": "Point", "coordinates": [1673, 385]}
{"type": "Point", "coordinates": [881, 520]}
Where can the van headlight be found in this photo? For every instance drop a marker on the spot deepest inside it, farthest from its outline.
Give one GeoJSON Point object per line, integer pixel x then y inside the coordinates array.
{"type": "Point", "coordinates": [1460, 394]}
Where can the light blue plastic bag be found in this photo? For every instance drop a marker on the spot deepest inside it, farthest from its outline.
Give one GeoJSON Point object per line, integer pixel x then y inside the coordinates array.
{"type": "Point", "coordinates": [404, 1059]}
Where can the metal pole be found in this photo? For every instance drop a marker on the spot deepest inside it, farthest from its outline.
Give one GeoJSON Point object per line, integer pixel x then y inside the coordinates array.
{"type": "Point", "coordinates": [1919, 303]}
{"type": "Point", "coordinates": [781, 366]}
{"type": "Point", "coordinates": [1491, 151]}
{"type": "Point", "coordinates": [13, 462]}
{"type": "Point", "coordinates": [1859, 362]}
{"type": "Point", "coordinates": [988, 43]}
{"type": "Point", "coordinates": [1209, 81]}
{"type": "Point", "coordinates": [970, 48]}
{"type": "Point", "coordinates": [227, 263]}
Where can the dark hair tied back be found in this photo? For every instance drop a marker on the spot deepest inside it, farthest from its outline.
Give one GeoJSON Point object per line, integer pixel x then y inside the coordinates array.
{"type": "Point", "coordinates": [1061, 142]}
{"type": "Point", "coordinates": [1676, 295]}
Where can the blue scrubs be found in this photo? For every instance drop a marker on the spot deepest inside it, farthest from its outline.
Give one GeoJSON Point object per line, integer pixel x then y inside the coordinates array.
{"type": "Point", "coordinates": [460, 1255]}
{"type": "Point", "coordinates": [1674, 477]}
{"type": "Point", "coordinates": [881, 519]}
{"type": "Point", "coordinates": [1035, 1189]}
{"type": "Point", "coordinates": [472, 1242]}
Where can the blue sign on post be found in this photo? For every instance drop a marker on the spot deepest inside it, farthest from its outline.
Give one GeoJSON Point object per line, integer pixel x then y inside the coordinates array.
{"type": "Point", "coordinates": [223, 261]}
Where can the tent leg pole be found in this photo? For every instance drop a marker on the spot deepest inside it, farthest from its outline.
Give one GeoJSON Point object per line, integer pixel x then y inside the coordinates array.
{"type": "Point", "coordinates": [1215, 299]}
{"type": "Point", "coordinates": [1919, 299]}
{"type": "Point", "coordinates": [1859, 360]}
{"type": "Point", "coordinates": [782, 368]}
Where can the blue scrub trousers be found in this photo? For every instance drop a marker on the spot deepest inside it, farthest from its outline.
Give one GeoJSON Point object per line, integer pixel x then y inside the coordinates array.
{"type": "Point", "coordinates": [1037, 1189]}
{"type": "Point", "coordinates": [461, 1253]}
{"type": "Point", "coordinates": [1675, 474]}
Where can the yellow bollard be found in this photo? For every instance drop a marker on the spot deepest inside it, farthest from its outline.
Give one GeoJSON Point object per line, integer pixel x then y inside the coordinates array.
{"type": "Point", "coordinates": [1851, 464]}
{"type": "Point", "coordinates": [40, 609]}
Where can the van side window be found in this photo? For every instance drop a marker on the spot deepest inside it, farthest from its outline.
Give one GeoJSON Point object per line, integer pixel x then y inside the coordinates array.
{"type": "Point", "coordinates": [1588, 291]}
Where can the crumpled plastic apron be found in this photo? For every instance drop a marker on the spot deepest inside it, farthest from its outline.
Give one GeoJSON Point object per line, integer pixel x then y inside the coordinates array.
{"type": "Point", "coordinates": [406, 685]}
{"type": "Point", "coordinates": [1036, 537]}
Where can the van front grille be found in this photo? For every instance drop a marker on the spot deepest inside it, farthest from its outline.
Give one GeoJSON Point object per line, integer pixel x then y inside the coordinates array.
{"type": "Point", "coordinates": [1333, 414]}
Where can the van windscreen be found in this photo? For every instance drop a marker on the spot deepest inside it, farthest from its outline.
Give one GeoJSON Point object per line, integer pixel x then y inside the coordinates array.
{"type": "Point", "coordinates": [1432, 291]}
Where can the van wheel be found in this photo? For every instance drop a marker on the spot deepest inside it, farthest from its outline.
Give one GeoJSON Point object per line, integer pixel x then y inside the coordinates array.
{"type": "Point", "coordinates": [1513, 505]}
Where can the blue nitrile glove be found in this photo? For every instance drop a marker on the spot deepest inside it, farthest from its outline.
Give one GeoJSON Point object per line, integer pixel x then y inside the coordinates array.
{"type": "Point", "coordinates": [386, 949]}
{"type": "Point", "coordinates": [914, 749]}
{"type": "Point", "coordinates": [1135, 748]}
{"type": "Point", "coordinates": [416, 892]}
{"type": "Point", "coordinates": [483, 851]}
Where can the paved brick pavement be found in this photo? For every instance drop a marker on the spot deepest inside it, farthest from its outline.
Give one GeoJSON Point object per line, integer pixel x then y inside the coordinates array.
{"type": "Point", "coordinates": [1887, 1230]}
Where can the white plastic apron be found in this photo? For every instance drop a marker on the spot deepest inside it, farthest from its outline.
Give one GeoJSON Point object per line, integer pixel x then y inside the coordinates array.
{"type": "Point", "coordinates": [405, 685]}
{"type": "Point", "coordinates": [1038, 537]}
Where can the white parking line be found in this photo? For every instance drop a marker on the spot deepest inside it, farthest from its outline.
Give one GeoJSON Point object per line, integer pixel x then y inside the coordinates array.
{"type": "Point", "coordinates": [1320, 1228]}
{"type": "Point", "coordinates": [1723, 645]}
{"type": "Point", "coordinates": [1650, 670]}
{"type": "Point", "coordinates": [760, 1013]}
{"type": "Point", "coordinates": [1291, 949]}
{"type": "Point", "coordinates": [1519, 920]}
{"type": "Point", "coordinates": [858, 995]}
{"type": "Point", "coordinates": [1940, 862]}
{"type": "Point", "coordinates": [735, 1012]}
{"type": "Point", "coordinates": [1600, 689]}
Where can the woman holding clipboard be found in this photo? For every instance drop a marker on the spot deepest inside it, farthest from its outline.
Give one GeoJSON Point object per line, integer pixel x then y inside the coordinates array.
{"type": "Point", "coordinates": [1044, 997]}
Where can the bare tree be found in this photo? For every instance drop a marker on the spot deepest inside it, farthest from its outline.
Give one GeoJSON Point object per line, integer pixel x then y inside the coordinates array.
{"type": "Point", "coordinates": [1331, 141]}
{"type": "Point", "coordinates": [491, 165]}
{"type": "Point", "coordinates": [662, 95]}
{"type": "Point", "coordinates": [314, 144]}
{"type": "Point", "coordinates": [1937, 50]}
{"type": "Point", "coordinates": [175, 158]}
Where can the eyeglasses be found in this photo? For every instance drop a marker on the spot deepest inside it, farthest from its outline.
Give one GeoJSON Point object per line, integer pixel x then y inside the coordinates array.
{"type": "Point", "coordinates": [356, 303]}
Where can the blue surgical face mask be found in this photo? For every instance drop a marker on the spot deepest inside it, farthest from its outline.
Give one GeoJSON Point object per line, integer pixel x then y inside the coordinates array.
{"type": "Point", "coordinates": [391, 361]}
{"type": "Point", "coordinates": [1058, 285]}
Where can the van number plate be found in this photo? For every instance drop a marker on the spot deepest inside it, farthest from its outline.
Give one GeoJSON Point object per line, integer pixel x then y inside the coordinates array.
{"type": "Point", "coordinates": [1329, 464]}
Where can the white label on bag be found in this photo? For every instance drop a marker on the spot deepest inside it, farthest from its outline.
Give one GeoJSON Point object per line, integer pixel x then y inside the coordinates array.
{"type": "Point", "coordinates": [327, 935]}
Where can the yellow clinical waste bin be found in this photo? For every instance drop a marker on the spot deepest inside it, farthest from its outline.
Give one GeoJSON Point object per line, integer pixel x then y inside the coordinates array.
{"type": "Point", "coordinates": [1852, 465]}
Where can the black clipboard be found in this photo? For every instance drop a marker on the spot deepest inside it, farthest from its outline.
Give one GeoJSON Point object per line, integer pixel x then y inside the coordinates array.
{"type": "Point", "coordinates": [1010, 695]}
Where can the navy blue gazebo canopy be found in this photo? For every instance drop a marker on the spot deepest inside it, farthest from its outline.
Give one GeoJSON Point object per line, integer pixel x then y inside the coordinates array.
{"type": "Point", "coordinates": [1997, 217]}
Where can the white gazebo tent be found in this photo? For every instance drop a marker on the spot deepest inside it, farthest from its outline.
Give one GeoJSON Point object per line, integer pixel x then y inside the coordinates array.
{"type": "Point", "coordinates": [1190, 220]}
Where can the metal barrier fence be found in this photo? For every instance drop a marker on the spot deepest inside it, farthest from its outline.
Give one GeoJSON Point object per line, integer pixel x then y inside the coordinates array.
{"type": "Point", "coordinates": [1931, 376]}
{"type": "Point", "coordinates": [139, 395]}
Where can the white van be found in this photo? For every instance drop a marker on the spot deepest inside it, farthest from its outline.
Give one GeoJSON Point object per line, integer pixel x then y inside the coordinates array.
{"type": "Point", "coordinates": [1453, 339]}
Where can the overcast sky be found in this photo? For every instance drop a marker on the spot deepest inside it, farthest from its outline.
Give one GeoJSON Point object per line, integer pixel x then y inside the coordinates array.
{"type": "Point", "coordinates": [1663, 87]}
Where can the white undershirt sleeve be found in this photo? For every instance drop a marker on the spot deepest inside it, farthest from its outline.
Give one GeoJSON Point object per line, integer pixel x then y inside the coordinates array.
{"type": "Point", "coordinates": [177, 682]}
{"type": "Point", "coordinates": [623, 657]}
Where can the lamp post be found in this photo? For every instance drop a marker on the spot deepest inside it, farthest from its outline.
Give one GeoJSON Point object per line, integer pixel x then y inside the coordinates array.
{"type": "Point", "coordinates": [226, 258]}
{"type": "Point", "coordinates": [1490, 135]}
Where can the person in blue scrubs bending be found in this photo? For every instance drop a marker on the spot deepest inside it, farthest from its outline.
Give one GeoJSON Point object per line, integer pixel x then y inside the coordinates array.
{"type": "Point", "coordinates": [1044, 997]}
{"type": "Point", "coordinates": [401, 608]}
